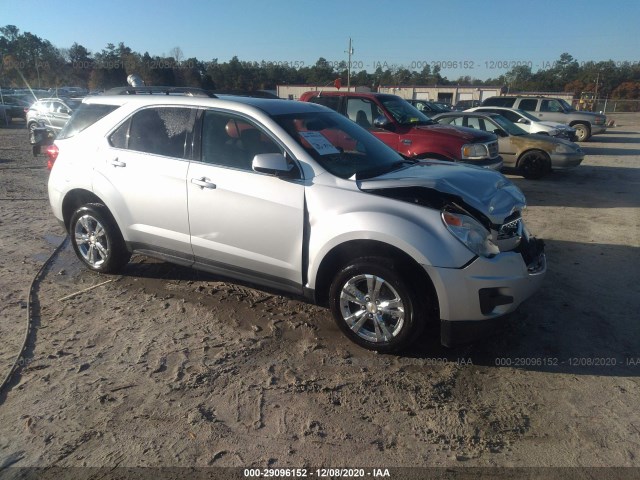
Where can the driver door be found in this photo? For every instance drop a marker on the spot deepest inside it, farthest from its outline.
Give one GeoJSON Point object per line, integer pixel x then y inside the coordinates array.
{"type": "Point", "coordinates": [244, 224]}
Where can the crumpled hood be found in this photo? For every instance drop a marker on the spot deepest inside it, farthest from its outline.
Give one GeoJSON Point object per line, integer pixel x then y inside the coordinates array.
{"type": "Point", "coordinates": [489, 192]}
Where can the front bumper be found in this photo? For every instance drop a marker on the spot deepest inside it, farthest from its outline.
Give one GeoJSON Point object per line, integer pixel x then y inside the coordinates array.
{"type": "Point", "coordinates": [473, 297]}
{"type": "Point", "coordinates": [566, 160]}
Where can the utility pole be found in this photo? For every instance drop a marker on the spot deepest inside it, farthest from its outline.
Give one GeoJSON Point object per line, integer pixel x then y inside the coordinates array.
{"type": "Point", "coordinates": [595, 97]}
{"type": "Point", "coordinates": [350, 51]}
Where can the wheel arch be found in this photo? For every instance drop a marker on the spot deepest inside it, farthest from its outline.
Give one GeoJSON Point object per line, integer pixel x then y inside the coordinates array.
{"type": "Point", "coordinates": [580, 122]}
{"type": "Point", "coordinates": [530, 150]}
{"type": "Point", "coordinates": [74, 199]}
{"type": "Point", "coordinates": [586, 124]}
{"type": "Point", "coordinates": [340, 255]}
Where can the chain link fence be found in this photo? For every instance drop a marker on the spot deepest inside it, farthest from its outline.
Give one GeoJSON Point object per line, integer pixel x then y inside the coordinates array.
{"type": "Point", "coordinates": [609, 106]}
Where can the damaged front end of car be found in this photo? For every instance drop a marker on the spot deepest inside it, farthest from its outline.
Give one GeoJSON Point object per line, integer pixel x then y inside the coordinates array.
{"type": "Point", "coordinates": [483, 211]}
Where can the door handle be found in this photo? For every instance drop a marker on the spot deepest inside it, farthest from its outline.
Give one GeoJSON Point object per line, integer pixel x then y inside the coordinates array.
{"type": "Point", "coordinates": [117, 163]}
{"type": "Point", "coordinates": [203, 182]}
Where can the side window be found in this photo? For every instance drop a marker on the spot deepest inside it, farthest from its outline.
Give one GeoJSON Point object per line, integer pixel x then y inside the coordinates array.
{"type": "Point", "coordinates": [550, 106]}
{"type": "Point", "coordinates": [332, 102]}
{"type": "Point", "coordinates": [120, 138]}
{"type": "Point", "coordinates": [488, 125]}
{"type": "Point", "coordinates": [473, 122]}
{"type": "Point", "coordinates": [161, 131]}
{"type": "Point", "coordinates": [499, 102]}
{"type": "Point", "coordinates": [457, 121]}
{"type": "Point", "coordinates": [361, 111]}
{"type": "Point", "coordinates": [528, 104]}
{"type": "Point", "coordinates": [231, 141]}
{"type": "Point", "coordinates": [512, 116]}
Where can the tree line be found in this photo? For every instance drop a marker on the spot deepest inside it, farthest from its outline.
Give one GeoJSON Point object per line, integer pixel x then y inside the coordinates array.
{"type": "Point", "coordinates": [30, 60]}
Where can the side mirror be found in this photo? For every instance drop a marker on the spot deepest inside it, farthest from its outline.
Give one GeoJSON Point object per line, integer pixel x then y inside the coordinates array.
{"type": "Point", "coordinates": [524, 121]}
{"type": "Point", "coordinates": [382, 122]}
{"type": "Point", "coordinates": [500, 132]}
{"type": "Point", "coordinates": [66, 111]}
{"type": "Point", "coordinates": [272, 164]}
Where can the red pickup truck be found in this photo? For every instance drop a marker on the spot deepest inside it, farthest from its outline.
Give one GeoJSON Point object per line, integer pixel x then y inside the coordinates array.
{"type": "Point", "coordinates": [404, 128]}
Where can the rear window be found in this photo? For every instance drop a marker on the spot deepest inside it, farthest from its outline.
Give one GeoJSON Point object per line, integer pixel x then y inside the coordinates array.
{"type": "Point", "coordinates": [332, 102]}
{"type": "Point", "coordinates": [528, 104]}
{"type": "Point", "coordinates": [84, 116]}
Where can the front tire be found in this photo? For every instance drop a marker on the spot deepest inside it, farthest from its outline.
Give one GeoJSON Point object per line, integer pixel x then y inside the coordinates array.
{"type": "Point", "coordinates": [375, 306]}
{"type": "Point", "coordinates": [534, 164]}
{"type": "Point", "coordinates": [583, 132]}
{"type": "Point", "coordinates": [97, 240]}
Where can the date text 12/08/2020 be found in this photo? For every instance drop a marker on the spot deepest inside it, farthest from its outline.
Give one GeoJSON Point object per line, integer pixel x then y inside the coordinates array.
{"type": "Point", "coordinates": [317, 472]}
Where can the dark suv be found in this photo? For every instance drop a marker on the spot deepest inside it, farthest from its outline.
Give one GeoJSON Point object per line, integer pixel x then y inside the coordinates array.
{"type": "Point", "coordinates": [407, 130]}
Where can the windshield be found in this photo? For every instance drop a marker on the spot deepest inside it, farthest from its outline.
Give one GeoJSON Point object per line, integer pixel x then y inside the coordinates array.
{"type": "Point", "coordinates": [84, 116]}
{"type": "Point", "coordinates": [340, 146]}
{"type": "Point", "coordinates": [524, 113]}
{"type": "Point", "coordinates": [403, 112]}
{"type": "Point", "coordinates": [565, 105]}
{"type": "Point", "coordinates": [507, 125]}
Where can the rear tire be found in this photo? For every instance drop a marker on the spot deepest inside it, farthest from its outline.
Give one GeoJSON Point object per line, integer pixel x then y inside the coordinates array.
{"type": "Point", "coordinates": [376, 306]}
{"type": "Point", "coordinates": [97, 240]}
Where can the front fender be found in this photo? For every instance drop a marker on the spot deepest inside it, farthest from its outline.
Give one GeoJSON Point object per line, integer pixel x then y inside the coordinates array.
{"type": "Point", "coordinates": [416, 230]}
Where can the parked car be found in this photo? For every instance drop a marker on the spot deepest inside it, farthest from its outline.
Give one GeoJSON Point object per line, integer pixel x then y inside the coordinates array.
{"type": "Point", "coordinates": [70, 92]}
{"type": "Point", "coordinates": [532, 155]}
{"type": "Point", "coordinates": [297, 198]}
{"type": "Point", "coordinates": [429, 108]}
{"type": "Point", "coordinates": [52, 113]}
{"type": "Point", "coordinates": [531, 124]}
{"type": "Point", "coordinates": [408, 131]}
{"type": "Point", "coordinates": [445, 105]}
{"type": "Point", "coordinates": [15, 106]}
{"type": "Point", "coordinates": [465, 104]}
{"type": "Point", "coordinates": [555, 110]}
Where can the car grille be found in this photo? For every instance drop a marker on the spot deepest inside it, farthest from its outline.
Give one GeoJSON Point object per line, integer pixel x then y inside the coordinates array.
{"type": "Point", "coordinates": [493, 149]}
{"type": "Point", "coordinates": [510, 233]}
{"type": "Point", "coordinates": [511, 229]}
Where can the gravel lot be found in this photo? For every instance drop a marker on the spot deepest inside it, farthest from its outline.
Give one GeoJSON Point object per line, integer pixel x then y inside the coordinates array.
{"type": "Point", "coordinates": [165, 366]}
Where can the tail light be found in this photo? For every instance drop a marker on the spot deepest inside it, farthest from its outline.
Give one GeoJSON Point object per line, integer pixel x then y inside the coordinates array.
{"type": "Point", "coordinates": [52, 153]}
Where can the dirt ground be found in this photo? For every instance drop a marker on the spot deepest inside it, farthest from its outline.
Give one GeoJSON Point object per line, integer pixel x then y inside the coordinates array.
{"type": "Point", "coordinates": [165, 366]}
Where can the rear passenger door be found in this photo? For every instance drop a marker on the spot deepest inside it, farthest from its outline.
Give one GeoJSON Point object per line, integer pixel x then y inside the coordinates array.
{"type": "Point", "coordinates": [244, 224]}
{"type": "Point", "coordinates": [142, 177]}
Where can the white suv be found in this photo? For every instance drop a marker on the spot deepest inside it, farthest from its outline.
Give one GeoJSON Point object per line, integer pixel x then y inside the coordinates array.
{"type": "Point", "coordinates": [531, 124]}
{"type": "Point", "coordinates": [295, 197]}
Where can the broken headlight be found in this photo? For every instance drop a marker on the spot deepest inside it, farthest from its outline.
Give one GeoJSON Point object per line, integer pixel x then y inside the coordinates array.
{"type": "Point", "coordinates": [470, 232]}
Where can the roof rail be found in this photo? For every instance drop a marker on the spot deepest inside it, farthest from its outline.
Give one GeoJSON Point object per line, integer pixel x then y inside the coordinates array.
{"type": "Point", "coordinates": [188, 91]}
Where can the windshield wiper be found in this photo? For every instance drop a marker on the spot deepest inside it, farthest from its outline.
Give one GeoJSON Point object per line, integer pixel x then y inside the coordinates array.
{"type": "Point", "coordinates": [400, 164]}
{"type": "Point", "coordinates": [397, 165]}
